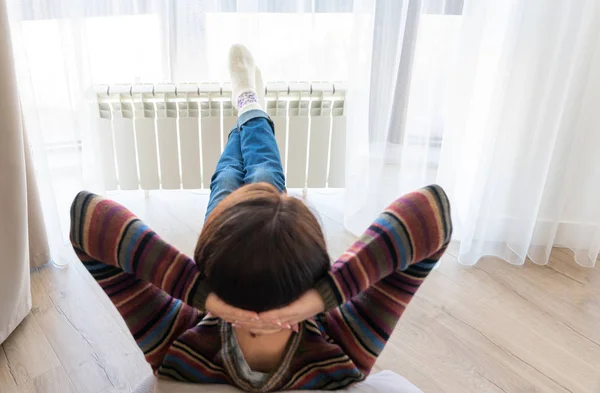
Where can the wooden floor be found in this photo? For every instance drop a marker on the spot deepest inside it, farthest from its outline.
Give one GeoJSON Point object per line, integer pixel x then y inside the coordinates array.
{"type": "Point", "coordinates": [489, 328]}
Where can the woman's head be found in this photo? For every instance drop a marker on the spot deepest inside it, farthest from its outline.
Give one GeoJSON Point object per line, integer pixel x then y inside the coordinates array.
{"type": "Point", "coordinates": [261, 249]}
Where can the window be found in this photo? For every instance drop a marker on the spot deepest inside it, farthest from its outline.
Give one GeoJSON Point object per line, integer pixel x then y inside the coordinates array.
{"type": "Point", "coordinates": [64, 56]}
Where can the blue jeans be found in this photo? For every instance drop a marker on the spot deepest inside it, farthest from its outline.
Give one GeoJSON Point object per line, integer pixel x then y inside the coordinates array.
{"type": "Point", "coordinates": [250, 156]}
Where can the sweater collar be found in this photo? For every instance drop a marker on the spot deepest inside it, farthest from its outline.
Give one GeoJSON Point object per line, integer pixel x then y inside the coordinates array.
{"type": "Point", "coordinates": [275, 378]}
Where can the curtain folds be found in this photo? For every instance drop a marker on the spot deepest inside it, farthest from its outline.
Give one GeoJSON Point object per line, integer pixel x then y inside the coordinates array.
{"type": "Point", "coordinates": [64, 48]}
{"type": "Point", "coordinates": [499, 110]}
{"type": "Point", "coordinates": [493, 100]}
{"type": "Point", "coordinates": [22, 233]}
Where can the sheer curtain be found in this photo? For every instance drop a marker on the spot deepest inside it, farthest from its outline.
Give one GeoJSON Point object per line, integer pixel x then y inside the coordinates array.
{"type": "Point", "coordinates": [64, 48]}
{"type": "Point", "coordinates": [496, 102]}
{"type": "Point", "coordinates": [492, 100]}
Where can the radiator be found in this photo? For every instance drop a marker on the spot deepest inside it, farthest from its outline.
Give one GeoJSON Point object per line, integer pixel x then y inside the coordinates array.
{"type": "Point", "coordinates": [168, 136]}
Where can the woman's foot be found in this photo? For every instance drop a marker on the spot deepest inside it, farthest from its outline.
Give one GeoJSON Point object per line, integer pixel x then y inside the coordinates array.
{"type": "Point", "coordinates": [246, 80]}
{"type": "Point", "coordinates": [260, 88]}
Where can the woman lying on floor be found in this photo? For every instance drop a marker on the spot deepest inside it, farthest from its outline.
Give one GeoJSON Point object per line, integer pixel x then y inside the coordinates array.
{"type": "Point", "coordinates": [260, 307]}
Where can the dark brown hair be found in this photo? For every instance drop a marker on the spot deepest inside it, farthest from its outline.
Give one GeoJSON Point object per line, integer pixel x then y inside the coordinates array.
{"type": "Point", "coordinates": [260, 249]}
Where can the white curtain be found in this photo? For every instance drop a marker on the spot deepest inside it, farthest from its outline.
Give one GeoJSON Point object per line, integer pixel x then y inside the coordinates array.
{"type": "Point", "coordinates": [65, 48]}
{"type": "Point", "coordinates": [491, 99]}
{"type": "Point", "coordinates": [500, 108]}
{"type": "Point", "coordinates": [22, 235]}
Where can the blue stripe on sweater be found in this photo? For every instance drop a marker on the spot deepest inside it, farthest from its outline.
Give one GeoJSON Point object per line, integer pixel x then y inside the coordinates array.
{"type": "Point", "coordinates": [393, 231]}
{"type": "Point", "coordinates": [318, 379]}
{"type": "Point", "coordinates": [136, 234]}
{"type": "Point", "coordinates": [93, 266]}
{"type": "Point", "coordinates": [365, 331]}
{"type": "Point", "coordinates": [162, 326]}
{"type": "Point", "coordinates": [193, 374]}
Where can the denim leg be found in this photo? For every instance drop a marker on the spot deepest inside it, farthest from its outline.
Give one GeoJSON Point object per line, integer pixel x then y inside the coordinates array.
{"type": "Point", "coordinates": [229, 174]}
{"type": "Point", "coordinates": [260, 153]}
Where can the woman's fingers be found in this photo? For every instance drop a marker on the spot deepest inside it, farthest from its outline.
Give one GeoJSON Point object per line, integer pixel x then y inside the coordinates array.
{"type": "Point", "coordinates": [261, 326]}
{"type": "Point", "coordinates": [241, 315]}
{"type": "Point", "coordinates": [282, 314]}
{"type": "Point", "coordinates": [276, 320]}
{"type": "Point", "coordinates": [293, 321]}
{"type": "Point", "coordinates": [238, 313]}
{"type": "Point", "coordinates": [223, 310]}
{"type": "Point", "coordinates": [308, 305]}
{"type": "Point", "coordinates": [240, 319]}
{"type": "Point", "coordinates": [256, 324]}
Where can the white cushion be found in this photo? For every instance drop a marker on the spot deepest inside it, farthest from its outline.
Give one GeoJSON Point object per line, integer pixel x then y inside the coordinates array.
{"type": "Point", "coordinates": [382, 382]}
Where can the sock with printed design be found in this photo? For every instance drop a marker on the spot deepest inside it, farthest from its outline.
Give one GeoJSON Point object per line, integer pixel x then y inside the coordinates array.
{"type": "Point", "coordinates": [246, 80]}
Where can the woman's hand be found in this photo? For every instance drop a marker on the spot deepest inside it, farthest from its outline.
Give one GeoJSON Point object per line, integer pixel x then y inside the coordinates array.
{"type": "Point", "coordinates": [231, 314]}
{"type": "Point", "coordinates": [307, 306]}
{"type": "Point", "coordinates": [238, 316]}
{"type": "Point", "coordinates": [288, 317]}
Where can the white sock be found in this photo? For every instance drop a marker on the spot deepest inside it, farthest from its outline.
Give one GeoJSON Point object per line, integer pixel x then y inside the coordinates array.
{"type": "Point", "coordinates": [260, 88]}
{"type": "Point", "coordinates": [246, 94]}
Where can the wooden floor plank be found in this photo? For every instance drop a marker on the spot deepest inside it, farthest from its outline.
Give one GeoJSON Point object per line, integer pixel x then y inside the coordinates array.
{"type": "Point", "coordinates": [575, 304]}
{"type": "Point", "coordinates": [173, 228]}
{"type": "Point", "coordinates": [27, 388]}
{"type": "Point", "coordinates": [188, 208]}
{"type": "Point", "coordinates": [421, 339]}
{"type": "Point", "coordinates": [28, 352]}
{"type": "Point", "coordinates": [505, 370]}
{"type": "Point", "coordinates": [561, 261]}
{"type": "Point", "coordinates": [74, 350]}
{"type": "Point", "coordinates": [54, 381]}
{"type": "Point", "coordinates": [444, 348]}
{"type": "Point", "coordinates": [520, 328]}
{"type": "Point", "coordinates": [8, 384]}
{"type": "Point", "coordinates": [101, 296]}
{"type": "Point", "coordinates": [92, 347]}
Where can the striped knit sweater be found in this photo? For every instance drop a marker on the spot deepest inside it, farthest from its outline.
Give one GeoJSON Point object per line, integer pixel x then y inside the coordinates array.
{"type": "Point", "coordinates": [366, 291]}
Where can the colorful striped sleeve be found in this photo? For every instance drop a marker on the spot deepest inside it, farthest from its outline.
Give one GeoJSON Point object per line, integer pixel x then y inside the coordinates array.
{"type": "Point", "coordinates": [147, 280]}
{"type": "Point", "coordinates": [110, 233]}
{"type": "Point", "coordinates": [370, 285]}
